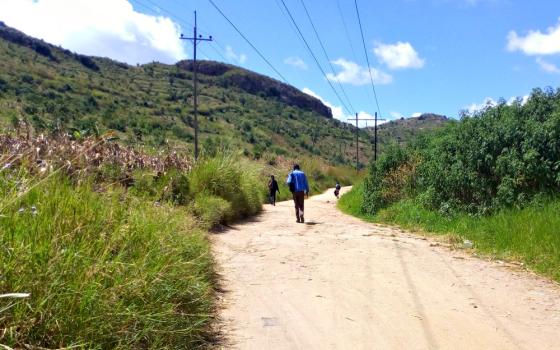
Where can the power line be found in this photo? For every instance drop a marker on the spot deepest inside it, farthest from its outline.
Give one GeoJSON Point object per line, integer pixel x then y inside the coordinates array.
{"type": "Point", "coordinates": [346, 30]}
{"type": "Point", "coordinates": [371, 79]}
{"type": "Point", "coordinates": [326, 55]}
{"type": "Point", "coordinates": [248, 41]}
{"type": "Point", "coordinates": [188, 24]}
{"type": "Point", "coordinates": [314, 57]}
{"type": "Point", "coordinates": [367, 58]}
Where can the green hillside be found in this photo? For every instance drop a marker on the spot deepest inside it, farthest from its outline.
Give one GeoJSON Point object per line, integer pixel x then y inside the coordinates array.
{"type": "Point", "coordinates": [151, 104]}
{"type": "Point", "coordinates": [54, 89]}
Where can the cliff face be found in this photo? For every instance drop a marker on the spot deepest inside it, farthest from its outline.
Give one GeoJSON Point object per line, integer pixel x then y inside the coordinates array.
{"type": "Point", "coordinates": [228, 76]}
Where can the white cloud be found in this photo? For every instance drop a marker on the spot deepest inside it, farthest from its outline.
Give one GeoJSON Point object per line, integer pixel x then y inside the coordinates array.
{"type": "Point", "coordinates": [490, 102]}
{"type": "Point", "coordinates": [354, 74]}
{"type": "Point", "coordinates": [338, 112]}
{"type": "Point", "coordinates": [296, 62]}
{"type": "Point", "coordinates": [475, 107]}
{"type": "Point", "coordinates": [416, 114]}
{"type": "Point", "coordinates": [536, 42]}
{"type": "Point", "coordinates": [398, 56]}
{"type": "Point", "coordinates": [109, 28]}
{"type": "Point", "coordinates": [547, 66]}
{"type": "Point", "coordinates": [232, 55]}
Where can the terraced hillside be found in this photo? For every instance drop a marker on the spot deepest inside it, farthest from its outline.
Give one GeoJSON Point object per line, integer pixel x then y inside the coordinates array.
{"type": "Point", "coordinates": [53, 89]}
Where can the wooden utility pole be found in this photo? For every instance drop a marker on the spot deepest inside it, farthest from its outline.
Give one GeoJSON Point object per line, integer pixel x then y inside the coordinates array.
{"type": "Point", "coordinates": [195, 40]}
{"type": "Point", "coordinates": [357, 132]}
{"type": "Point", "coordinates": [375, 138]}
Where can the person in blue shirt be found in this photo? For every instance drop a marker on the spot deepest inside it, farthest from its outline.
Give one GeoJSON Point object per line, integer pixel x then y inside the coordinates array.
{"type": "Point", "coordinates": [297, 181]}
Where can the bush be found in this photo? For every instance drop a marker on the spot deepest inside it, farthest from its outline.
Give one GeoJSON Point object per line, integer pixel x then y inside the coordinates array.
{"type": "Point", "coordinates": [212, 210]}
{"type": "Point", "coordinates": [501, 157]}
{"type": "Point", "coordinates": [385, 181]}
{"type": "Point", "coordinates": [231, 179]}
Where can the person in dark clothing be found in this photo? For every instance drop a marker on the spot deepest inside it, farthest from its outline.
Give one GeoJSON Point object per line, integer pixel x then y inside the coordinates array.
{"type": "Point", "coordinates": [272, 189]}
{"type": "Point", "coordinates": [299, 188]}
{"type": "Point", "coordinates": [337, 190]}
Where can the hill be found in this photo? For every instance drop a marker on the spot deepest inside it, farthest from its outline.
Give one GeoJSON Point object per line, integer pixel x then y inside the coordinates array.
{"type": "Point", "coordinates": [405, 129]}
{"type": "Point", "coordinates": [150, 105]}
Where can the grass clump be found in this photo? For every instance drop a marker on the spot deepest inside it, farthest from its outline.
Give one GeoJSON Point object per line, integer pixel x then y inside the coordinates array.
{"type": "Point", "coordinates": [236, 182]}
{"type": "Point", "coordinates": [104, 270]}
{"type": "Point", "coordinates": [212, 209]}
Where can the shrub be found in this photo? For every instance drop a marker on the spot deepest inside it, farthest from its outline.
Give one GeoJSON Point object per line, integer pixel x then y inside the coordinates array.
{"type": "Point", "coordinates": [377, 194]}
{"type": "Point", "coordinates": [498, 158]}
{"type": "Point", "coordinates": [211, 209]}
{"type": "Point", "coordinates": [231, 179]}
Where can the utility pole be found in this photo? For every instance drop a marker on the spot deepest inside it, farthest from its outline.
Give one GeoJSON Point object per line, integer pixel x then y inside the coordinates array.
{"type": "Point", "coordinates": [195, 40]}
{"type": "Point", "coordinates": [357, 131]}
{"type": "Point", "coordinates": [375, 138]}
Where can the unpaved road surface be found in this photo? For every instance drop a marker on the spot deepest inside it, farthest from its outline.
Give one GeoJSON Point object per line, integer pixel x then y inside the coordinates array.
{"type": "Point", "coordinates": [339, 283]}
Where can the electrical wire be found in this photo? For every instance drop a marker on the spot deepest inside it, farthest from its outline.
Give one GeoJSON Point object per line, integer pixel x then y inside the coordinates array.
{"type": "Point", "coordinates": [248, 41]}
{"type": "Point", "coordinates": [367, 58]}
{"type": "Point", "coordinates": [346, 30]}
{"type": "Point", "coordinates": [314, 57]}
{"type": "Point", "coordinates": [326, 55]}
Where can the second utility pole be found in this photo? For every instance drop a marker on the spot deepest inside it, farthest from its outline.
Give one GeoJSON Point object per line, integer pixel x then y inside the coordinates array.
{"type": "Point", "coordinates": [195, 39]}
{"type": "Point", "coordinates": [357, 141]}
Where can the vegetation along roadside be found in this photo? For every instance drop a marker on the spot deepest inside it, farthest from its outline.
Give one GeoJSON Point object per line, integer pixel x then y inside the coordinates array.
{"type": "Point", "coordinates": [492, 178]}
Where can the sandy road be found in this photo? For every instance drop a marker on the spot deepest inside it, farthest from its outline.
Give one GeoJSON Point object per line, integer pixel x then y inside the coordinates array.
{"type": "Point", "coordinates": [339, 283]}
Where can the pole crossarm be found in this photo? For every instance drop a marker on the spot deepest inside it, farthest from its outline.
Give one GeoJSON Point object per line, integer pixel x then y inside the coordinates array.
{"type": "Point", "coordinates": [357, 128]}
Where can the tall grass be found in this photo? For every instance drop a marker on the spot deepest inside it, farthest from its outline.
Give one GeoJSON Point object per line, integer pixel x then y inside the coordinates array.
{"type": "Point", "coordinates": [227, 188]}
{"type": "Point", "coordinates": [107, 249]}
{"type": "Point", "coordinates": [530, 235]}
{"type": "Point", "coordinates": [104, 270]}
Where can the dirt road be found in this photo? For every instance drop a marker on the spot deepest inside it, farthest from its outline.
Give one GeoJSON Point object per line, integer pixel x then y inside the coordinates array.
{"type": "Point", "coordinates": [339, 283]}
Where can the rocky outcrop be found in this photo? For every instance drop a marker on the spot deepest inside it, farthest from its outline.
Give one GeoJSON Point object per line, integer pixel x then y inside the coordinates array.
{"type": "Point", "coordinates": [229, 76]}
{"type": "Point", "coordinates": [426, 119]}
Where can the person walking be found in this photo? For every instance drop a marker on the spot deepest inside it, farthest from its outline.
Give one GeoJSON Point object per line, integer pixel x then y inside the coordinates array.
{"type": "Point", "coordinates": [299, 188]}
{"type": "Point", "coordinates": [272, 189]}
{"type": "Point", "coordinates": [337, 190]}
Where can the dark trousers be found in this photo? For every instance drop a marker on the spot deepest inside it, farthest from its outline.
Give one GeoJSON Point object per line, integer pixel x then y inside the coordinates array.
{"type": "Point", "coordinates": [298, 202]}
{"type": "Point", "coordinates": [272, 197]}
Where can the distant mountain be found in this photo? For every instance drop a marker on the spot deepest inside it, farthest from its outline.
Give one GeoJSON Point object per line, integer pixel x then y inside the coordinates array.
{"type": "Point", "coordinates": [403, 130]}
{"type": "Point", "coordinates": [422, 122]}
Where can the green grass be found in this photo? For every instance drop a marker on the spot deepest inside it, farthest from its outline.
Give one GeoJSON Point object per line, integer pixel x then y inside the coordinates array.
{"type": "Point", "coordinates": [351, 202]}
{"type": "Point", "coordinates": [104, 270]}
{"type": "Point", "coordinates": [235, 181]}
{"type": "Point", "coordinates": [114, 268]}
{"type": "Point", "coordinates": [530, 235]}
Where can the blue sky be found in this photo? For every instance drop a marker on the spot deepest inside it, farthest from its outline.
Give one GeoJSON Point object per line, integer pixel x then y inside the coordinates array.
{"type": "Point", "coordinates": [438, 56]}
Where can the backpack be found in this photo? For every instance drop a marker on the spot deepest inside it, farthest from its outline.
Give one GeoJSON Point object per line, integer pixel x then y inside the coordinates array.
{"type": "Point", "coordinates": [292, 183]}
